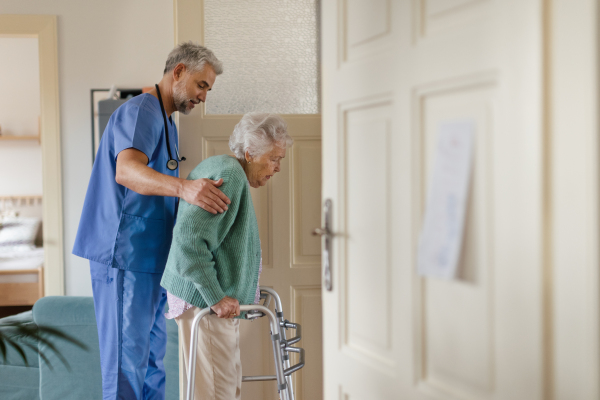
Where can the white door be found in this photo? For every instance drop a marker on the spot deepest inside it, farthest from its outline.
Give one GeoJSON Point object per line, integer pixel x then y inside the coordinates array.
{"type": "Point", "coordinates": [393, 71]}
{"type": "Point", "coordinates": [273, 69]}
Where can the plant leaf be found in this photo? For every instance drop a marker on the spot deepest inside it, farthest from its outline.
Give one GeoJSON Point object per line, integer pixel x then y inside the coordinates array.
{"type": "Point", "coordinates": [19, 350]}
{"type": "Point", "coordinates": [41, 354]}
{"type": "Point", "coordinates": [2, 347]}
{"type": "Point", "coordinates": [50, 345]}
{"type": "Point", "coordinates": [62, 335]}
{"type": "Point", "coordinates": [42, 334]}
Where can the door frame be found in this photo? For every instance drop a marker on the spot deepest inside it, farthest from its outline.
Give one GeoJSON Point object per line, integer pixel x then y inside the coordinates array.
{"type": "Point", "coordinates": [573, 155]}
{"type": "Point", "coordinates": [43, 27]}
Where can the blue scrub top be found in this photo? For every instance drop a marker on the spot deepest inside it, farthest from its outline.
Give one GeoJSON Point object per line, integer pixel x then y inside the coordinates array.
{"type": "Point", "coordinates": [118, 226]}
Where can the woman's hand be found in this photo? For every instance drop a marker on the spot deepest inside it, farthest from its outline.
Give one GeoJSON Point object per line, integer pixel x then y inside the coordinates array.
{"type": "Point", "coordinates": [228, 307]}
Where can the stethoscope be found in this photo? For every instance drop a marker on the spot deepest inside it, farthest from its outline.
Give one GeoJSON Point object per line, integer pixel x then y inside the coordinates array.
{"type": "Point", "coordinates": [172, 164]}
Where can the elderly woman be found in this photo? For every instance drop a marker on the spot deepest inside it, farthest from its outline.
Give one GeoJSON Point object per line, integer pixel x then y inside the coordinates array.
{"type": "Point", "coordinates": [215, 261]}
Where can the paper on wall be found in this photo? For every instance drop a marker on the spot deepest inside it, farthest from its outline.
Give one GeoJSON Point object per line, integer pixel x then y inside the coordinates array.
{"type": "Point", "coordinates": [442, 233]}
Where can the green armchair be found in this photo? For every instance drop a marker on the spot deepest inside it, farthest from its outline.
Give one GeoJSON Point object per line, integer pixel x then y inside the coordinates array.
{"type": "Point", "coordinates": [39, 380]}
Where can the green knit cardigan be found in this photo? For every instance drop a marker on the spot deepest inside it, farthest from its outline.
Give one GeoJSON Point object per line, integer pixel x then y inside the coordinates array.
{"type": "Point", "coordinates": [213, 256]}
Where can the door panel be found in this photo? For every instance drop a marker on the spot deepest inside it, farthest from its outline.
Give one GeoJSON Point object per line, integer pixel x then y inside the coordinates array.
{"type": "Point", "coordinates": [306, 162]}
{"type": "Point", "coordinates": [365, 28]}
{"type": "Point", "coordinates": [394, 72]}
{"type": "Point", "coordinates": [457, 346]}
{"type": "Point", "coordinates": [307, 299]}
{"type": "Point", "coordinates": [366, 274]}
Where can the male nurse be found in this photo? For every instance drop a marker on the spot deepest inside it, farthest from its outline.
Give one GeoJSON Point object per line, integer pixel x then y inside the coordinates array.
{"type": "Point", "coordinates": [128, 218]}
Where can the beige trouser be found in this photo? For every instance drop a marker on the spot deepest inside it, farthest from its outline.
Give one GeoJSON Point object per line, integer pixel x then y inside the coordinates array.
{"type": "Point", "coordinates": [218, 364]}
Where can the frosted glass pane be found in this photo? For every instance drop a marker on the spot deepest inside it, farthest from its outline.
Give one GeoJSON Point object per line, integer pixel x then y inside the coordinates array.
{"type": "Point", "coordinates": [269, 50]}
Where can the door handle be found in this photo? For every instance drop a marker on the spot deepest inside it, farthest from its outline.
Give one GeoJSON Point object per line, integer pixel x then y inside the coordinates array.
{"type": "Point", "coordinates": [327, 236]}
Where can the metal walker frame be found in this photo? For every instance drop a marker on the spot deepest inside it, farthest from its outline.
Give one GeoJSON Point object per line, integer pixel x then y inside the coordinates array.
{"type": "Point", "coordinates": [281, 346]}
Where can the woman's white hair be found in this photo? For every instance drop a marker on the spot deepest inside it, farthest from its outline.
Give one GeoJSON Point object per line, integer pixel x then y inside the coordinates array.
{"type": "Point", "coordinates": [257, 133]}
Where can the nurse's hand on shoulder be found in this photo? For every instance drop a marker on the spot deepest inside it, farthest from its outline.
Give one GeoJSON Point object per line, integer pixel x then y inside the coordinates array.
{"type": "Point", "coordinates": [204, 194]}
{"type": "Point", "coordinates": [228, 307]}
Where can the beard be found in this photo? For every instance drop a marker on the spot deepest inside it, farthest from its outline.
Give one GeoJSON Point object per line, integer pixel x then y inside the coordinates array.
{"type": "Point", "coordinates": [180, 98]}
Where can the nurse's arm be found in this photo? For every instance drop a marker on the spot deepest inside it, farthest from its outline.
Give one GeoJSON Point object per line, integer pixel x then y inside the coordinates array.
{"type": "Point", "coordinates": [133, 173]}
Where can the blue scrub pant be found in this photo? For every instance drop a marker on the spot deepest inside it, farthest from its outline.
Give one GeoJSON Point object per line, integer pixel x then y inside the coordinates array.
{"type": "Point", "coordinates": [131, 332]}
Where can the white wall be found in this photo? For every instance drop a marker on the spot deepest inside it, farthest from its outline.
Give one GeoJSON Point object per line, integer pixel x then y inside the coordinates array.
{"type": "Point", "coordinates": [19, 113]}
{"type": "Point", "coordinates": [99, 43]}
{"type": "Point", "coordinates": [20, 83]}
{"type": "Point", "coordinates": [21, 168]}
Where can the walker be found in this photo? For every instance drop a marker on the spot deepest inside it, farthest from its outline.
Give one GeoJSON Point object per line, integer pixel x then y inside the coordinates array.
{"type": "Point", "coordinates": [281, 346]}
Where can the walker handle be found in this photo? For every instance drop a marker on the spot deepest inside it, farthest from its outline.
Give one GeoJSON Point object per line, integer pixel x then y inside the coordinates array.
{"type": "Point", "coordinates": [287, 325]}
{"type": "Point", "coordinates": [212, 312]}
{"type": "Point", "coordinates": [301, 362]}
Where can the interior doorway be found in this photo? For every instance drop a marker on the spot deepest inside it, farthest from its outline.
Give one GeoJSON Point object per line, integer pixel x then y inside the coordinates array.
{"type": "Point", "coordinates": [21, 189]}
{"type": "Point", "coordinates": [39, 140]}
{"type": "Point", "coordinates": [276, 70]}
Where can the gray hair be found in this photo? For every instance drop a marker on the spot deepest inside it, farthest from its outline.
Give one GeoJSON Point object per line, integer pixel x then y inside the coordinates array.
{"type": "Point", "coordinates": [257, 133]}
{"type": "Point", "coordinates": [194, 57]}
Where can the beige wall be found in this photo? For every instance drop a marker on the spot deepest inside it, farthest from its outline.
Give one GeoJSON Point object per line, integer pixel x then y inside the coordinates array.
{"type": "Point", "coordinates": [19, 112]}
{"type": "Point", "coordinates": [99, 44]}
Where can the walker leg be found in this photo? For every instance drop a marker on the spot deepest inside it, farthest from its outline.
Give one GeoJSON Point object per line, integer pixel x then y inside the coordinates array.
{"type": "Point", "coordinates": [193, 348]}
{"type": "Point", "coordinates": [282, 383]}
{"type": "Point", "coordinates": [285, 360]}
